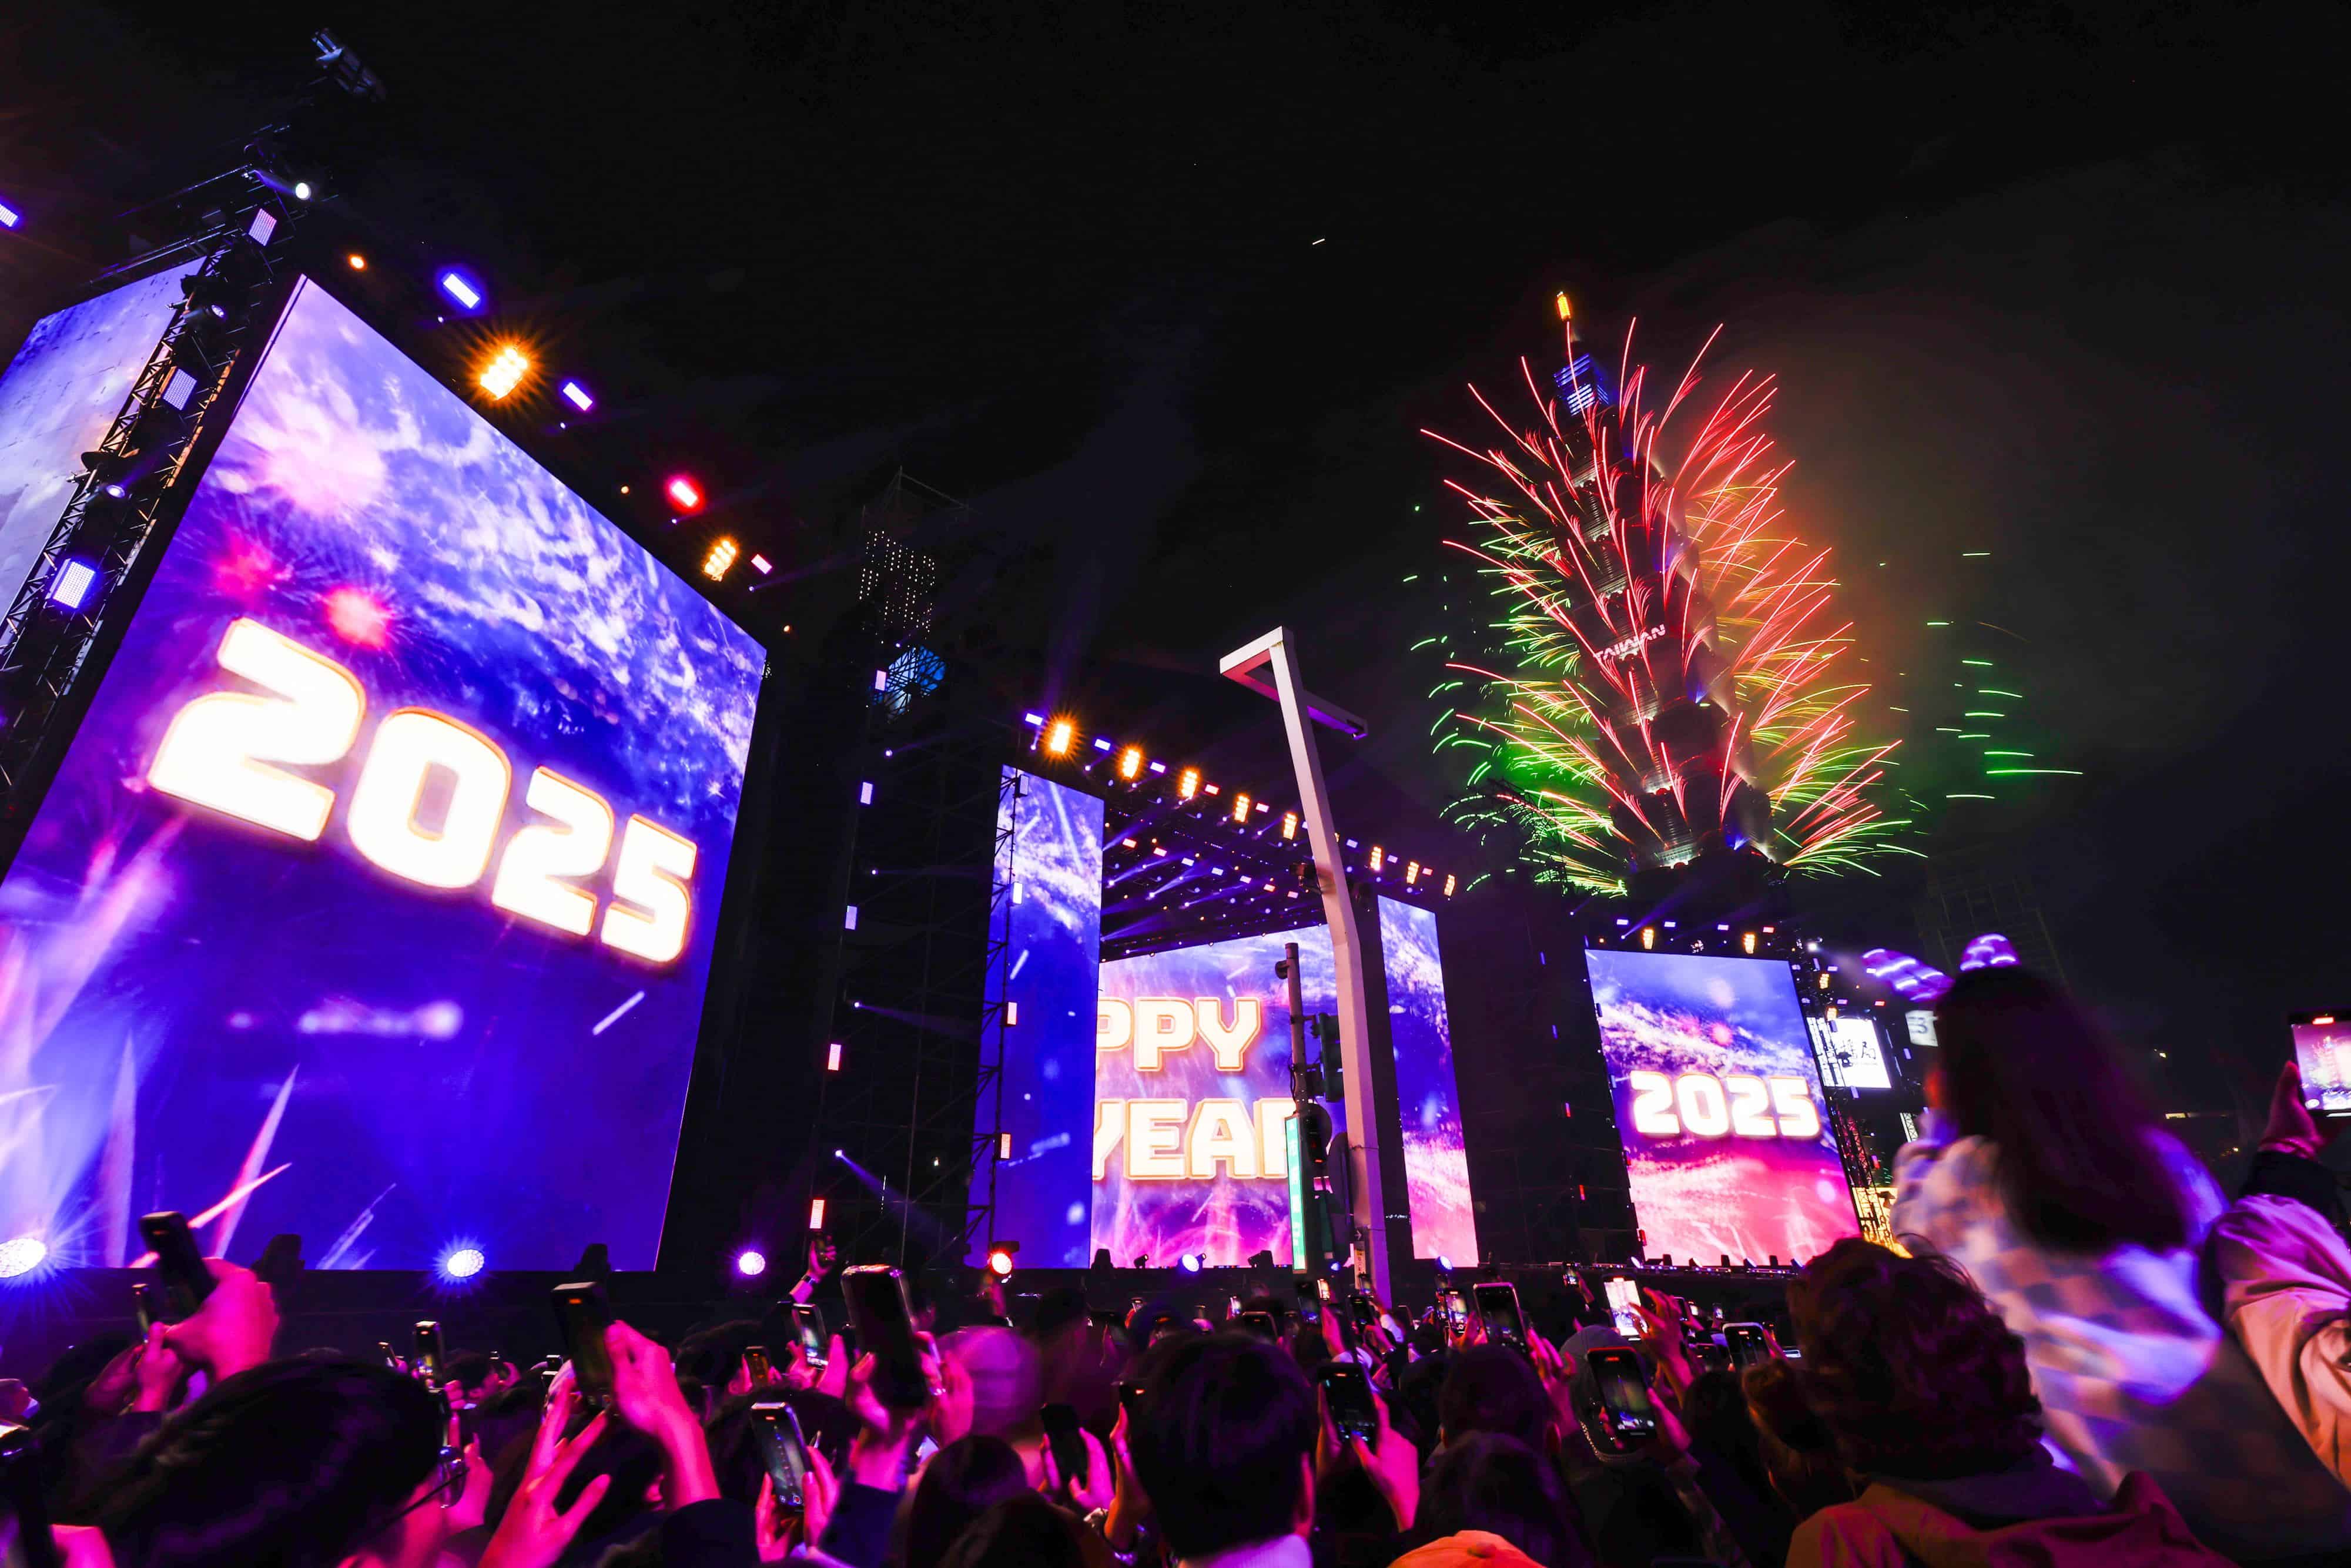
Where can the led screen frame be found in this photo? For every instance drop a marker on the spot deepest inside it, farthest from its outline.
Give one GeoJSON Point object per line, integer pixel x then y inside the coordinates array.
{"type": "Point", "coordinates": [1719, 1108]}
{"type": "Point", "coordinates": [1060, 1078]}
{"type": "Point", "coordinates": [712, 925]}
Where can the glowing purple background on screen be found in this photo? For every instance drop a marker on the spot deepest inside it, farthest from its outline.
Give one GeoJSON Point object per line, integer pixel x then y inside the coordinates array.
{"type": "Point", "coordinates": [1701, 1197]}
{"type": "Point", "coordinates": [1053, 856]}
{"type": "Point", "coordinates": [181, 987]}
{"type": "Point", "coordinates": [1436, 1162]}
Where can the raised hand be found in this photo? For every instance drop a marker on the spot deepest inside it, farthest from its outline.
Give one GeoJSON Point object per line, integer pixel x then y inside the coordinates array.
{"type": "Point", "coordinates": [1100, 1485]}
{"type": "Point", "coordinates": [155, 1372]}
{"type": "Point", "coordinates": [534, 1533]}
{"type": "Point", "coordinates": [2292, 1129]}
{"type": "Point", "coordinates": [233, 1328]}
{"type": "Point", "coordinates": [644, 1388]}
{"type": "Point", "coordinates": [1393, 1465]}
{"type": "Point", "coordinates": [471, 1507]}
{"type": "Point", "coordinates": [834, 1379]}
{"type": "Point", "coordinates": [949, 1416]}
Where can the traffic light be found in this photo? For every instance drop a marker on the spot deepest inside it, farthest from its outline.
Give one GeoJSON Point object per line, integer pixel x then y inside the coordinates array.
{"type": "Point", "coordinates": [1324, 1028]}
{"type": "Point", "coordinates": [1314, 1138]}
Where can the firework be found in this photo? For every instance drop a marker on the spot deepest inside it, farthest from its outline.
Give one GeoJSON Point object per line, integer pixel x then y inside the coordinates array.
{"type": "Point", "coordinates": [1666, 680]}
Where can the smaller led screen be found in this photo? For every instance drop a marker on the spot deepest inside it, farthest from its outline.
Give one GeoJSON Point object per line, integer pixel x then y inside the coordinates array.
{"type": "Point", "coordinates": [58, 396]}
{"type": "Point", "coordinates": [1717, 1105]}
{"type": "Point", "coordinates": [1849, 1053]}
{"type": "Point", "coordinates": [1052, 854]}
{"type": "Point", "coordinates": [1435, 1159]}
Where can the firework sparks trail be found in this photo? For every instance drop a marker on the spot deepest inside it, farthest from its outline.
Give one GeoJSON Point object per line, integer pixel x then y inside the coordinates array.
{"type": "Point", "coordinates": [1666, 684]}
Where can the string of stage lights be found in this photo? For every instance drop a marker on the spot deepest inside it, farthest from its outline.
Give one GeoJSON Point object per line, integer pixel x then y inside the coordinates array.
{"type": "Point", "coordinates": [505, 370]}
{"type": "Point", "coordinates": [1057, 737]}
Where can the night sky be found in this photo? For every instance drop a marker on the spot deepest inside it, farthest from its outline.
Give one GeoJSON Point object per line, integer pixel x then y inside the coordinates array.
{"type": "Point", "coordinates": [1166, 292]}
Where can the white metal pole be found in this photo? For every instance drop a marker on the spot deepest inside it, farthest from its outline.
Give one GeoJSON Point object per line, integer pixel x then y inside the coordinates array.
{"type": "Point", "coordinates": [1298, 710]}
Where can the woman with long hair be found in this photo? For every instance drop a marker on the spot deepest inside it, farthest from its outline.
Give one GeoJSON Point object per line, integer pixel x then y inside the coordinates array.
{"type": "Point", "coordinates": [2044, 1173]}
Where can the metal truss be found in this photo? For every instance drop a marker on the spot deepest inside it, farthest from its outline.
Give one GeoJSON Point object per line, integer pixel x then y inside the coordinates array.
{"type": "Point", "coordinates": [46, 646]}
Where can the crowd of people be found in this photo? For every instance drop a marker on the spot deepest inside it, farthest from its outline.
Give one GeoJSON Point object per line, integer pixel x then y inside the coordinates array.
{"type": "Point", "coordinates": [2079, 1354]}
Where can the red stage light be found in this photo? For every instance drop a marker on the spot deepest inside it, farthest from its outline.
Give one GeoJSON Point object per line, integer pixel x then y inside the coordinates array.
{"type": "Point", "coordinates": [684, 493]}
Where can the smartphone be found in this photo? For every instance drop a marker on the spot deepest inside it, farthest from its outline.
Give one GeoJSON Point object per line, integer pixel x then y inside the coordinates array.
{"type": "Point", "coordinates": [2322, 1047]}
{"type": "Point", "coordinates": [875, 1294]}
{"type": "Point", "coordinates": [1129, 1391]}
{"type": "Point", "coordinates": [1261, 1324]}
{"type": "Point", "coordinates": [1323, 1290]}
{"type": "Point", "coordinates": [1748, 1345]}
{"type": "Point", "coordinates": [1363, 1309]}
{"type": "Point", "coordinates": [1232, 1308]}
{"type": "Point", "coordinates": [186, 1280]}
{"type": "Point", "coordinates": [584, 1313]}
{"type": "Point", "coordinates": [432, 1357]}
{"type": "Point", "coordinates": [809, 1324]}
{"type": "Point", "coordinates": [1349, 1393]}
{"type": "Point", "coordinates": [1623, 1297]}
{"type": "Point", "coordinates": [147, 1302]}
{"type": "Point", "coordinates": [1710, 1357]}
{"type": "Point", "coordinates": [1624, 1390]}
{"type": "Point", "coordinates": [1498, 1304]}
{"type": "Point", "coordinates": [1067, 1444]}
{"type": "Point", "coordinates": [391, 1357]}
{"type": "Point", "coordinates": [757, 1366]}
{"type": "Point", "coordinates": [1456, 1307]}
{"type": "Point", "coordinates": [782, 1449]}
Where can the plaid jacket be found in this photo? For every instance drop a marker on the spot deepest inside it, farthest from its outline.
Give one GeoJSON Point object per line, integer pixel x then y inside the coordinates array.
{"type": "Point", "coordinates": [2133, 1371]}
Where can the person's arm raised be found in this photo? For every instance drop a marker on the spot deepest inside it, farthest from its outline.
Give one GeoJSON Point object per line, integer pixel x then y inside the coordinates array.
{"type": "Point", "coordinates": [534, 1533]}
{"type": "Point", "coordinates": [233, 1328]}
{"type": "Point", "coordinates": [644, 1388]}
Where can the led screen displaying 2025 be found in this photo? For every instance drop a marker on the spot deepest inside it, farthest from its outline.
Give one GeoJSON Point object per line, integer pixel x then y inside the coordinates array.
{"type": "Point", "coordinates": [375, 897]}
{"type": "Point", "coordinates": [1718, 1106]}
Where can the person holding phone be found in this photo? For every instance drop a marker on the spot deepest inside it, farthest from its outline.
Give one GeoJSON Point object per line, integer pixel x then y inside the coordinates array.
{"type": "Point", "coordinates": [2285, 1273]}
{"type": "Point", "coordinates": [2042, 1172]}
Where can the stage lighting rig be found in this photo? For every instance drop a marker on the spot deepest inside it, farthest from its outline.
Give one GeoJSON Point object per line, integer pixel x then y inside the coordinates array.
{"type": "Point", "coordinates": [346, 70]}
{"type": "Point", "coordinates": [503, 371]}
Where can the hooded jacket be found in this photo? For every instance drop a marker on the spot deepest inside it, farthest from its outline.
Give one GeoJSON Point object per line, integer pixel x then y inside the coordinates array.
{"type": "Point", "coordinates": [2035, 1516]}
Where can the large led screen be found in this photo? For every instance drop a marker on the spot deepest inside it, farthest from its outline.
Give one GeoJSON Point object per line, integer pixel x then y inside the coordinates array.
{"type": "Point", "coordinates": [1719, 1107]}
{"type": "Point", "coordinates": [375, 897]}
{"type": "Point", "coordinates": [1051, 855]}
{"type": "Point", "coordinates": [57, 398]}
